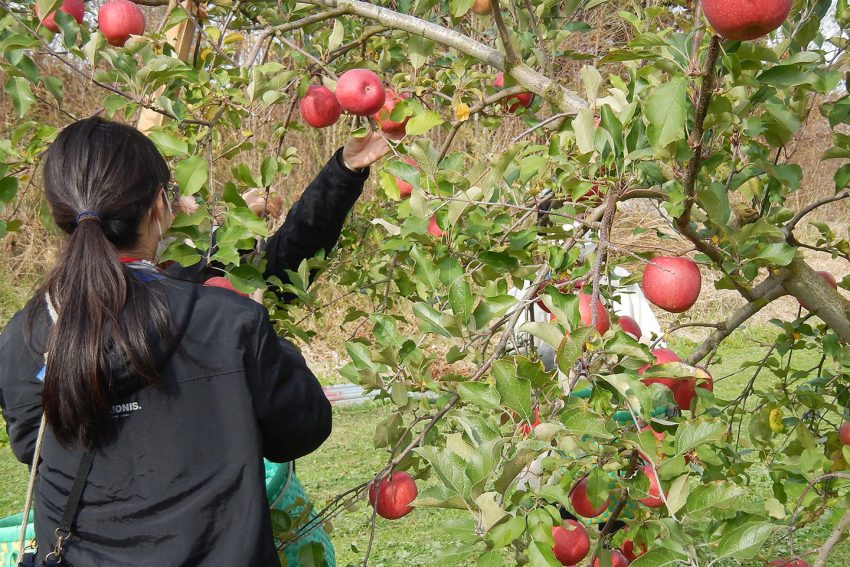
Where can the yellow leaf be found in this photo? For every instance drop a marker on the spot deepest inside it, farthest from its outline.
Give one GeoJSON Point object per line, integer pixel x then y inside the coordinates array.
{"type": "Point", "coordinates": [462, 112]}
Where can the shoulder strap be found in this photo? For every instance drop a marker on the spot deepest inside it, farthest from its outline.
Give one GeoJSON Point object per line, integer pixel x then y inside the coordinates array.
{"type": "Point", "coordinates": [31, 486]}
{"type": "Point", "coordinates": [63, 532]}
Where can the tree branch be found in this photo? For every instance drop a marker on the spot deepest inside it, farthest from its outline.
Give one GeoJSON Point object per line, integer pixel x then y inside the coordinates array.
{"type": "Point", "coordinates": [789, 228]}
{"type": "Point", "coordinates": [510, 55]}
{"type": "Point", "coordinates": [801, 281]}
{"type": "Point", "coordinates": [837, 534]}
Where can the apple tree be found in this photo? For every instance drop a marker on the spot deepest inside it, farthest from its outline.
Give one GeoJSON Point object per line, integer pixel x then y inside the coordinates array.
{"type": "Point", "coordinates": [665, 114]}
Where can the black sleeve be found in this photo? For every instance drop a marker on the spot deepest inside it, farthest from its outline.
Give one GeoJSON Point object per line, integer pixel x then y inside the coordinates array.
{"type": "Point", "coordinates": [292, 410]}
{"type": "Point", "coordinates": [315, 221]}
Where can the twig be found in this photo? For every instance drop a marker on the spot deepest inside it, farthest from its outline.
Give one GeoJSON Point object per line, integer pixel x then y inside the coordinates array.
{"type": "Point", "coordinates": [511, 58]}
{"type": "Point", "coordinates": [309, 56]}
{"type": "Point", "coordinates": [541, 44]}
{"type": "Point", "coordinates": [601, 250]}
{"type": "Point", "coordinates": [789, 228]}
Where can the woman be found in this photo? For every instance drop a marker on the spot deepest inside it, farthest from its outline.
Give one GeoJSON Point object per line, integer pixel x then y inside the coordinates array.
{"type": "Point", "coordinates": [171, 392]}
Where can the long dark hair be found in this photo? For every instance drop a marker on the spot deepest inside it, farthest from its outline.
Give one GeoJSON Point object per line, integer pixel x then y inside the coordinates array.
{"type": "Point", "coordinates": [112, 173]}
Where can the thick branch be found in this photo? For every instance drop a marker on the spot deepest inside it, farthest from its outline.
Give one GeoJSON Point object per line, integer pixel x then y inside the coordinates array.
{"type": "Point", "coordinates": [560, 97]}
{"type": "Point", "coordinates": [834, 537]}
{"type": "Point", "coordinates": [801, 281]}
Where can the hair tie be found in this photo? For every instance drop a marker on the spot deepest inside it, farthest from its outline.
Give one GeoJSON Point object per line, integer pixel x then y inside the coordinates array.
{"type": "Point", "coordinates": [88, 215]}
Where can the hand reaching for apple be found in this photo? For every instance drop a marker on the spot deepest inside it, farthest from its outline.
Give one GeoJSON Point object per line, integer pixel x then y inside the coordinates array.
{"type": "Point", "coordinates": [256, 201]}
{"type": "Point", "coordinates": [360, 153]}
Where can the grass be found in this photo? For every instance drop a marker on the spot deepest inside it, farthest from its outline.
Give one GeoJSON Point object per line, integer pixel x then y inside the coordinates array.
{"type": "Point", "coordinates": [349, 458]}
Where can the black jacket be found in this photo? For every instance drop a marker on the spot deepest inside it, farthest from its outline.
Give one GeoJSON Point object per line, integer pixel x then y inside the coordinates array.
{"type": "Point", "coordinates": [182, 481]}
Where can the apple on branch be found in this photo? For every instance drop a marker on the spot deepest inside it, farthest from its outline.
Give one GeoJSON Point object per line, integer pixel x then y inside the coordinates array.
{"type": "Point", "coordinates": [482, 7]}
{"type": "Point", "coordinates": [629, 326]}
{"type": "Point", "coordinates": [73, 8]}
{"type": "Point", "coordinates": [514, 102]}
{"type": "Point", "coordinates": [844, 433]}
{"type": "Point", "coordinates": [617, 559]}
{"type": "Point", "coordinates": [672, 283]}
{"type": "Point", "coordinates": [571, 542]}
{"type": "Point", "coordinates": [745, 20]}
{"type": "Point", "coordinates": [118, 20]}
{"type": "Point", "coordinates": [391, 128]}
{"type": "Point", "coordinates": [360, 92]}
{"type": "Point", "coordinates": [581, 503]}
{"type": "Point", "coordinates": [319, 108]}
{"type": "Point", "coordinates": [393, 496]}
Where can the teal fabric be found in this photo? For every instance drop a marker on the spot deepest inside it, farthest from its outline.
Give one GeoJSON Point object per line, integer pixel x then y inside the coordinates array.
{"type": "Point", "coordinates": [279, 492]}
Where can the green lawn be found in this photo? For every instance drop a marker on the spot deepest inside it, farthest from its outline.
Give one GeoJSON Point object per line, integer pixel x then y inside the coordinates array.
{"type": "Point", "coordinates": [349, 458]}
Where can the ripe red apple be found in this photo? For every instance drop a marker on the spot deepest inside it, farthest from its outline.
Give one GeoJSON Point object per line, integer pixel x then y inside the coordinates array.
{"type": "Point", "coordinates": [433, 228]}
{"type": "Point", "coordinates": [844, 433]}
{"type": "Point", "coordinates": [319, 107]}
{"type": "Point", "coordinates": [628, 550]}
{"type": "Point", "coordinates": [581, 503]}
{"type": "Point", "coordinates": [672, 283]}
{"type": "Point", "coordinates": [789, 563]}
{"type": "Point", "coordinates": [394, 495]}
{"type": "Point", "coordinates": [743, 20]}
{"type": "Point", "coordinates": [219, 281]}
{"type": "Point", "coordinates": [654, 499]}
{"type": "Point", "coordinates": [603, 321]}
{"type": "Point", "coordinates": [360, 92]}
{"type": "Point", "coordinates": [629, 326]}
{"type": "Point", "coordinates": [525, 429]}
{"type": "Point", "coordinates": [118, 20]}
{"type": "Point", "coordinates": [405, 189]}
{"type": "Point", "coordinates": [617, 560]}
{"type": "Point", "coordinates": [514, 102]}
{"type": "Point", "coordinates": [73, 8]}
{"type": "Point", "coordinates": [828, 278]}
{"type": "Point", "coordinates": [390, 127]}
{"type": "Point", "coordinates": [571, 542]}
{"type": "Point", "coordinates": [482, 7]}
{"type": "Point", "coordinates": [661, 355]}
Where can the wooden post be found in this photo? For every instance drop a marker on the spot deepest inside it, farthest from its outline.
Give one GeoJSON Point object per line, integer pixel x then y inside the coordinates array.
{"type": "Point", "coordinates": [181, 37]}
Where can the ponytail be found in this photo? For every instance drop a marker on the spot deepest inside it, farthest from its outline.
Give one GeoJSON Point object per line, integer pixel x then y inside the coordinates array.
{"type": "Point", "coordinates": [101, 179]}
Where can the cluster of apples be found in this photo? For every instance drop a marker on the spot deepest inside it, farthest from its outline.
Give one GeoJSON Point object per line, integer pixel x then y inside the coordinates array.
{"type": "Point", "coordinates": [116, 19]}
{"type": "Point", "coordinates": [359, 92]}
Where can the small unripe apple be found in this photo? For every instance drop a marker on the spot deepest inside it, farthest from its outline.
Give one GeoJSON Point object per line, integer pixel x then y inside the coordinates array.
{"type": "Point", "coordinates": [482, 7]}
{"type": "Point", "coordinates": [672, 283]}
{"type": "Point", "coordinates": [390, 127]}
{"type": "Point", "coordinates": [617, 560]}
{"type": "Point", "coordinates": [844, 433]}
{"type": "Point", "coordinates": [360, 92]}
{"type": "Point", "coordinates": [571, 542]}
{"type": "Point", "coordinates": [654, 499]}
{"type": "Point", "coordinates": [433, 228]}
{"type": "Point", "coordinates": [219, 281]}
{"type": "Point", "coordinates": [629, 326]}
{"type": "Point", "coordinates": [513, 102]}
{"type": "Point", "coordinates": [581, 503]}
{"type": "Point", "coordinates": [394, 495]}
{"type": "Point", "coordinates": [745, 19]}
{"type": "Point", "coordinates": [73, 8]}
{"type": "Point", "coordinates": [119, 19]}
{"type": "Point", "coordinates": [603, 320]}
{"type": "Point", "coordinates": [319, 107]}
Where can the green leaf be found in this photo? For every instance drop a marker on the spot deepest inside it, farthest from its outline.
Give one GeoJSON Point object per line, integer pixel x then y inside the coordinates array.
{"type": "Point", "coordinates": [572, 347]}
{"type": "Point", "coordinates": [659, 557]}
{"type": "Point", "coordinates": [360, 355]}
{"type": "Point", "coordinates": [715, 495]}
{"type": "Point", "coordinates": [337, 35]}
{"type": "Point", "coordinates": [460, 7]}
{"type": "Point", "coordinates": [8, 189]}
{"type": "Point", "coordinates": [597, 486]}
{"type": "Point", "coordinates": [461, 300]}
{"type": "Point", "coordinates": [678, 493]}
{"type": "Point", "coordinates": [691, 435]}
{"type": "Point", "coordinates": [580, 423]}
{"type": "Point", "coordinates": [546, 332]}
{"type": "Point", "coordinates": [778, 253]}
{"type": "Point", "coordinates": [422, 122]}
{"type": "Point", "coordinates": [666, 110]}
{"type": "Point", "coordinates": [246, 278]}
{"type": "Point", "coordinates": [47, 7]}
{"type": "Point", "coordinates": [745, 541]}
{"type": "Point", "coordinates": [19, 89]}
{"type": "Point", "coordinates": [269, 170]}
{"type": "Point", "coordinates": [169, 145]}
{"type": "Point", "coordinates": [514, 391]}
{"type": "Point", "coordinates": [480, 394]}
{"type": "Point", "coordinates": [191, 174]}
{"type": "Point", "coordinates": [418, 51]}
{"type": "Point", "coordinates": [449, 468]}
{"type": "Point", "coordinates": [506, 533]}
{"type": "Point", "coordinates": [429, 319]}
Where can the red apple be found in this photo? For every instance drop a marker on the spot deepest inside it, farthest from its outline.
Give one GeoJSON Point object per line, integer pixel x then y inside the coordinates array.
{"type": "Point", "coordinates": [828, 278]}
{"type": "Point", "coordinates": [405, 189]}
{"type": "Point", "coordinates": [672, 283]}
{"type": "Point", "coordinates": [219, 281]}
{"type": "Point", "coordinates": [743, 20]}
{"type": "Point", "coordinates": [382, 117]}
{"type": "Point", "coordinates": [603, 321]}
{"type": "Point", "coordinates": [73, 8]}
{"type": "Point", "coordinates": [360, 92]}
{"type": "Point", "coordinates": [617, 560]}
{"type": "Point", "coordinates": [629, 326]}
{"type": "Point", "coordinates": [789, 563]}
{"type": "Point", "coordinates": [704, 379]}
{"type": "Point", "coordinates": [525, 429]}
{"type": "Point", "coordinates": [394, 495]}
{"type": "Point", "coordinates": [514, 102]}
{"type": "Point", "coordinates": [628, 550]}
{"type": "Point", "coordinates": [844, 433]}
{"type": "Point", "coordinates": [119, 19]}
{"type": "Point", "coordinates": [319, 107]}
{"type": "Point", "coordinates": [661, 355]}
{"type": "Point", "coordinates": [654, 499]}
{"type": "Point", "coordinates": [581, 503]}
{"type": "Point", "coordinates": [433, 228]}
{"type": "Point", "coordinates": [482, 7]}
{"type": "Point", "coordinates": [571, 542]}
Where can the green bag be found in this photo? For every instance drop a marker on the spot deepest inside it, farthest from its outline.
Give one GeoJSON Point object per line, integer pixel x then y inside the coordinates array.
{"type": "Point", "coordinates": [281, 491]}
